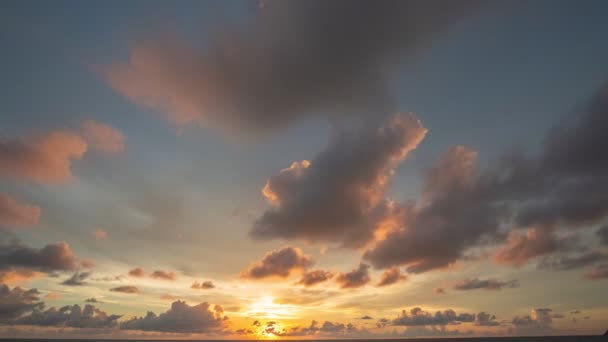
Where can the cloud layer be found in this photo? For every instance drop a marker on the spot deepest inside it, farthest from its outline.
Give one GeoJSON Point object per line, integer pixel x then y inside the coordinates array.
{"type": "Point", "coordinates": [279, 263]}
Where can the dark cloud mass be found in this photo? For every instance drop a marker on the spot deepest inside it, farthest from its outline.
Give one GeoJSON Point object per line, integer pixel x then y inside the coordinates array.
{"type": "Point", "coordinates": [279, 263]}
{"type": "Point", "coordinates": [487, 284]}
{"type": "Point", "coordinates": [281, 66]}
{"type": "Point", "coordinates": [50, 258]}
{"type": "Point", "coordinates": [570, 262]}
{"type": "Point", "coordinates": [314, 277]}
{"type": "Point", "coordinates": [355, 278]}
{"type": "Point", "coordinates": [70, 316]}
{"type": "Point", "coordinates": [339, 195]}
{"type": "Point", "coordinates": [181, 317]}
{"type": "Point", "coordinates": [16, 302]}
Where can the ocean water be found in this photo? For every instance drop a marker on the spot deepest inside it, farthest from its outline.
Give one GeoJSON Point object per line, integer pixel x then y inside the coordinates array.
{"type": "Point", "coordinates": [451, 339]}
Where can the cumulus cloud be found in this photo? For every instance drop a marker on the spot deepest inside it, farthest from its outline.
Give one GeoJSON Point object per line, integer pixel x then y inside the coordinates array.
{"type": "Point", "coordinates": [137, 272]}
{"type": "Point", "coordinates": [205, 285]}
{"type": "Point", "coordinates": [14, 213]}
{"type": "Point", "coordinates": [538, 322]}
{"type": "Point", "coordinates": [181, 317]}
{"type": "Point", "coordinates": [70, 316]}
{"type": "Point", "coordinates": [278, 263]}
{"type": "Point", "coordinates": [16, 302]}
{"type": "Point", "coordinates": [282, 67]}
{"type": "Point", "coordinates": [391, 276]}
{"type": "Point", "coordinates": [339, 196]}
{"type": "Point", "coordinates": [487, 284]}
{"type": "Point", "coordinates": [103, 137]}
{"type": "Point", "coordinates": [486, 320]}
{"type": "Point", "coordinates": [314, 277]}
{"type": "Point", "coordinates": [163, 275]}
{"type": "Point", "coordinates": [355, 278]}
{"type": "Point", "coordinates": [417, 316]}
{"type": "Point", "coordinates": [50, 258]}
{"type": "Point", "coordinates": [77, 279]}
{"type": "Point", "coordinates": [44, 159]}
{"type": "Point", "coordinates": [520, 248]}
{"type": "Point", "coordinates": [125, 289]}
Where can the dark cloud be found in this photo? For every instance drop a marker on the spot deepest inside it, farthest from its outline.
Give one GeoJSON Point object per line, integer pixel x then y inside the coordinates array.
{"type": "Point", "coordinates": [454, 216]}
{"type": "Point", "coordinates": [538, 322]}
{"type": "Point", "coordinates": [366, 317]}
{"type": "Point", "coordinates": [391, 276]}
{"type": "Point", "coordinates": [70, 316]}
{"type": "Point", "coordinates": [50, 258]}
{"type": "Point", "coordinates": [568, 262]}
{"type": "Point", "coordinates": [92, 300]}
{"type": "Point", "coordinates": [181, 317]}
{"type": "Point", "coordinates": [520, 248]}
{"type": "Point", "coordinates": [603, 235]}
{"type": "Point", "coordinates": [137, 272]}
{"type": "Point", "coordinates": [487, 284]}
{"type": "Point", "coordinates": [417, 316]}
{"type": "Point", "coordinates": [355, 278]}
{"type": "Point", "coordinates": [279, 263]}
{"type": "Point", "coordinates": [486, 320]}
{"type": "Point", "coordinates": [125, 289]}
{"type": "Point", "coordinates": [16, 302]}
{"type": "Point", "coordinates": [314, 277]}
{"type": "Point", "coordinates": [281, 66]}
{"type": "Point", "coordinates": [14, 213]}
{"type": "Point", "coordinates": [77, 279]}
{"type": "Point", "coordinates": [339, 196]}
{"type": "Point", "coordinates": [205, 285]}
{"type": "Point", "coordinates": [598, 272]}
{"type": "Point", "coordinates": [163, 275]}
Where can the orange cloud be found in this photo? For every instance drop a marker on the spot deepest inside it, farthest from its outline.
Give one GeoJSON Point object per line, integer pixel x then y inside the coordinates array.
{"type": "Point", "coordinates": [103, 137]}
{"type": "Point", "coordinates": [137, 272]}
{"type": "Point", "coordinates": [279, 263]}
{"type": "Point", "coordinates": [13, 213]}
{"type": "Point", "coordinates": [163, 275]}
{"type": "Point", "coordinates": [42, 159]}
{"type": "Point", "coordinates": [18, 276]}
{"type": "Point", "coordinates": [52, 296]}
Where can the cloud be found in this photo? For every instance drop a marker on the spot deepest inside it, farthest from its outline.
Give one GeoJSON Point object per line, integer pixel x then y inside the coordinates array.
{"type": "Point", "coordinates": [486, 320]}
{"type": "Point", "coordinates": [602, 233]}
{"type": "Point", "coordinates": [137, 272]}
{"type": "Point", "coordinates": [13, 213]}
{"type": "Point", "coordinates": [181, 317]}
{"type": "Point", "coordinates": [77, 279]}
{"type": "Point", "coordinates": [538, 322]}
{"type": "Point", "coordinates": [125, 289]}
{"type": "Point", "coordinates": [16, 302]}
{"type": "Point", "coordinates": [70, 316]}
{"type": "Point", "coordinates": [598, 272]}
{"type": "Point", "coordinates": [100, 234]}
{"type": "Point", "coordinates": [339, 196]}
{"type": "Point", "coordinates": [438, 290]}
{"type": "Point", "coordinates": [205, 285]}
{"type": "Point", "coordinates": [52, 296]}
{"type": "Point", "coordinates": [280, 67]}
{"type": "Point", "coordinates": [50, 258]}
{"type": "Point", "coordinates": [453, 216]}
{"type": "Point", "coordinates": [417, 316]}
{"type": "Point", "coordinates": [366, 317]}
{"type": "Point", "coordinates": [355, 278]}
{"type": "Point", "coordinates": [487, 284]}
{"type": "Point", "coordinates": [103, 137]}
{"type": "Point", "coordinates": [163, 275]}
{"type": "Point", "coordinates": [314, 277]}
{"type": "Point", "coordinates": [43, 159]}
{"type": "Point", "coordinates": [520, 248]}
{"type": "Point", "coordinates": [92, 300]}
{"type": "Point", "coordinates": [391, 276]}
{"type": "Point", "coordinates": [567, 262]}
{"type": "Point", "coordinates": [16, 276]}
{"type": "Point", "coordinates": [278, 263]}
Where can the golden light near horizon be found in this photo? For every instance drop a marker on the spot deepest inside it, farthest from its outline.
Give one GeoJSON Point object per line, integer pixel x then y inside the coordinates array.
{"type": "Point", "coordinates": [266, 307]}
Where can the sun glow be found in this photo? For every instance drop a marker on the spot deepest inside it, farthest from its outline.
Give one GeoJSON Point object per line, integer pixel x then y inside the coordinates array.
{"type": "Point", "coordinates": [265, 307]}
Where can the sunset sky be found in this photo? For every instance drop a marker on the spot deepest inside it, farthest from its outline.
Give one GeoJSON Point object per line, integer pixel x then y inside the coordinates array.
{"type": "Point", "coordinates": [303, 169]}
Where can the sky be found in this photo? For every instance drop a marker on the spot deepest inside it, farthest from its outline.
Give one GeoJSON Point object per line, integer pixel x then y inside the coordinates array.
{"type": "Point", "coordinates": [303, 169]}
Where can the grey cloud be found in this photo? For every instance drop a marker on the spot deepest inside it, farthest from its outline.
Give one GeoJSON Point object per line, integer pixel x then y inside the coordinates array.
{"type": "Point", "coordinates": [294, 59]}
{"type": "Point", "coordinates": [125, 289]}
{"type": "Point", "coordinates": [181, 317]}
{"type": "Point", "coordinates": [70, 316]}
{"type": "Point", "coordinates": [485, 319]}
{"type": "Point", "coordinates": [567, 262]}
{"type": "Point", "coordinates": [538, 322]}
{"type": "Point", "coordinates": [417, 316]}
{"type": "Point", "coordinates": [16, 214]}
{"type": "Point", "coordinates": [391, 276]}
{"type": "Point", "coordinates": [339, 196]}
{"type": "Point", "coordinates": [355, 278]}
{"type": "Point", "coordinates": [603, 235]}
{"type": "Point", "coordinates": [487, 284]}
{"type": "Point", "coordinates": [50, 258]}
{"type": "Point", "coordinates": [92, 300]}
{"type": "Point", "coordinates": [314, 277]}
{"type": "Point", "coordinates": [16, 302]}
{"type": "Point", "coordinates": [77, 279]}
{"type": "Point", "coordinates": [279, 263]}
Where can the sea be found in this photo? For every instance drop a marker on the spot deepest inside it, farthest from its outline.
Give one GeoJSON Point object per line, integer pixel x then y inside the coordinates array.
{"type": "Point", "coordinates": [594, 338]}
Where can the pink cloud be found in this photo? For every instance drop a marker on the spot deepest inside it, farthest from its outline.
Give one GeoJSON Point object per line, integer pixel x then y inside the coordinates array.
{"type": "Point", "coordinates": [13, 213]}
{"type": "Point", "coordinates": [103, 137]}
